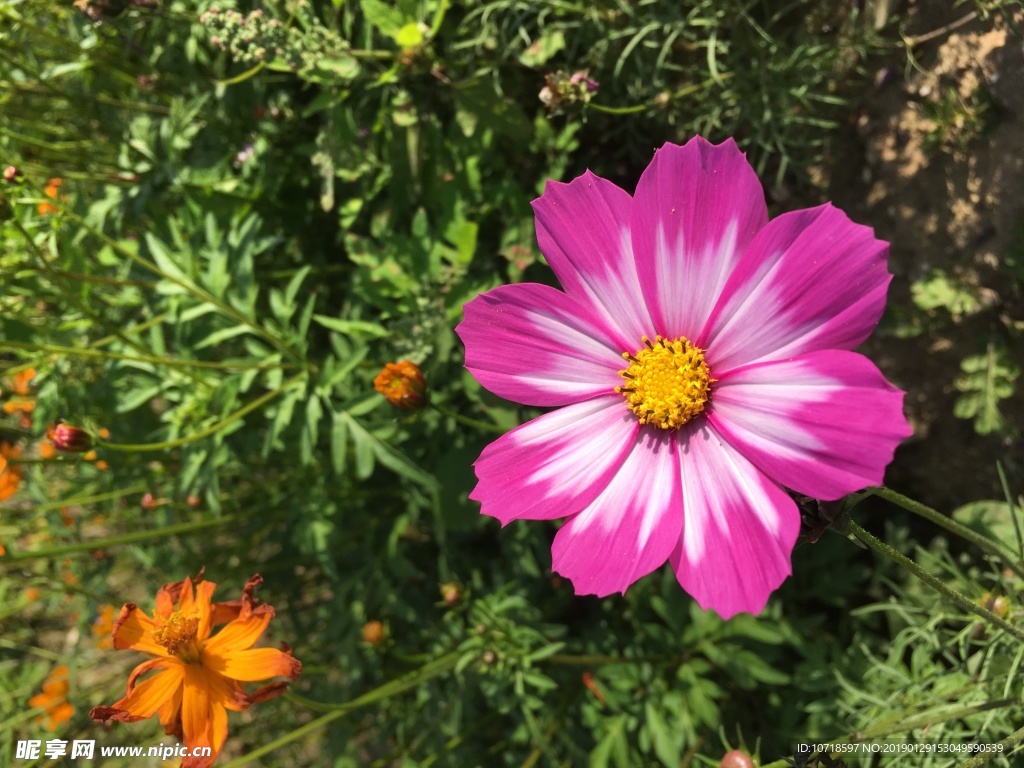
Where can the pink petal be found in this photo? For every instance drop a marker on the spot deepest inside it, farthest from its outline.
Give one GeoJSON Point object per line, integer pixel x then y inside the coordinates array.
{"type": "Point", "coordinates": [739, 527]}
{"type": "Point", "coordinates": [824, 424]}
{"type": "Point", "coordinates": [811, 280]}
{"type": "Point", "coordinates": [583, 232]}
{"type": "Point", "coordinates": [631, 528]}
{"type": "Point", "coordinates": [532, 344]}
{"type": "Point", "coordinates": [695, 210]}
{"type": "Point", "coordinates": [557, 464]}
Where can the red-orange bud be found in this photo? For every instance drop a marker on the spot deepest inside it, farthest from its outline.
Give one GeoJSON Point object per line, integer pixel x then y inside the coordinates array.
{"type": "Point", "coordinates": [736, 759]}
{"type": "Point", "coordinates": [402, 384]}
{"type": "Point", "coordinates": [373, 632]}
{"type": "Point", "coordinates": [67, 438]}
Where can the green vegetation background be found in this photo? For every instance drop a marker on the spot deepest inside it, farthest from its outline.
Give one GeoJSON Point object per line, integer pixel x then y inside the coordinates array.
{"type": "Point", "coordinates": [256, 214]}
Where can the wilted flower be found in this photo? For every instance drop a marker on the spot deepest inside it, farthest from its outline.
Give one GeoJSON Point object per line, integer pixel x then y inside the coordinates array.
{"type": "Point", "coordinates": [738, 381]}
{"type": "Point", "coordinates": [402, 384]}
{"type": "Point", "coordinates": [54, 700]}
{"type": "Point", "coordinates": [198, 676]}
{"type": "Point", "coordinates": [10, 471]}
{"type": "Point", "coordinates": [582, 79]}
{"type": "Point", "coordinates": [67, 438]}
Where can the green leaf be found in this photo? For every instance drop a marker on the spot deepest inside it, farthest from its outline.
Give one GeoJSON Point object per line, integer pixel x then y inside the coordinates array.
{"type": "Point", "coordinates": [990, 518]}
{"type": "Point", "coordinates": [542, 49]}
{"type": "Point", "coordinates": [351, 327]}
{"type": "Point", "coordinates": [385, 18]}
{"type": "Point", "coordinates": [985, 381]}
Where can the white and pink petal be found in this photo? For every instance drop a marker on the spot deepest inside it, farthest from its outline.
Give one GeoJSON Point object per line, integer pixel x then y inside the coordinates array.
{"type": "Point", "coordinates": [628, 530]}
{"type": "Point", "coordinates": [695, 210]}
{"type": "Point", "coordinates": [556, 464]}
{"type": "Point", "coordinates": [824, 424]}
{"type": "Point", "coordinates": [583, 232]}
{"type": "Point", "coordinates": [739, 528]}
{"type": "Point", "coordinates": [811, 280]}
{"type": "Point", "coordinates": [532, 344]}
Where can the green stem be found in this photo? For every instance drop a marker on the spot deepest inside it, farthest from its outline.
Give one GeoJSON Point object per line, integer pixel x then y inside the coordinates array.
{"type": "Point", "coordinates": [392, 688]}
{"type": "Point", "coordinates": [115, 541]}
{"type": "Point", "coordinates": [211, 430]}
{"type": "Point", "coordinates": [80, 501]}
{"type": "Point", "coordinates": [483, 425]}
{"type": "Point", "coordinates": [171, 362]}
{"type": "Point", "coordinates": [1010, 743]}
{"type": "Point", "coordinates": [681, 93]}
{"type": "Point", "coordinates": [961, 601]}
{"type": "Point", "coordinates": [934, 516]}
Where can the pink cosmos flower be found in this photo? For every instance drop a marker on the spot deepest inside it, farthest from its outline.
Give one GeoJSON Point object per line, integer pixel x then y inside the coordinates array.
{"type": "Point", "coordinates": [699, 358]}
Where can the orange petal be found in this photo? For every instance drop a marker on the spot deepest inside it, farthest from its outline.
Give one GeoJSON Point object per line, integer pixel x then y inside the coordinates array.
{"type": "Point", "coordinates": [170, 711]}
{"type": "Point", "coordinates": [143, 700]}
{"type": "Point", "coordinates": [133, 630]}
{"type": "Point", "coordinates": [239, 635]}
{"type": "Point", "coordinates": [253, 665]}
{"type": "Point", "coordinates": [197, 715]}
{"type": "Point", "coordinates": [204, 591]}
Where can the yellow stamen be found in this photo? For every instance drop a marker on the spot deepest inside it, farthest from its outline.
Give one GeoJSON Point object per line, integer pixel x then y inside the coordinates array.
{"type": "Point", "coordinates": [668, 382]}
{"type": "Point", "coordinates": [178, 635]}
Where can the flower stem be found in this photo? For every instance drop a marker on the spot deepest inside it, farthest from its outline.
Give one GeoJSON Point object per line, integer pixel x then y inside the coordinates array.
{"type": "Point", "coordinates": [114, 541]}
{"type": "Point", "coordinates": [482, 425]}
{"type": "Point", "coordinates": [960, 600]}
{"type": "Point", "coordinates": [391, 688]}
{"type": "Point", "coordinates": [211, 430]}
{"type": "Point", "coordinates": [168, 361]}
{"type": "Point", "coordinates": [983, 542]}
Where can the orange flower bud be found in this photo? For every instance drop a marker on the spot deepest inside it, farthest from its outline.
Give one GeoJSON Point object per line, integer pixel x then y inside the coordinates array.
{"type": "Point", "coordinates": [451, 593]}
{"type": "Point", "coordinates": [402, 384]}
{"type": "Point", "coordinates": [373, 632]}
{"type": "Point", "coordinates": [69, 439]}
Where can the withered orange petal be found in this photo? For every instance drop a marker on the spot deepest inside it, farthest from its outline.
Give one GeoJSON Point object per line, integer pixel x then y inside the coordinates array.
{"type": "Point", "coordinates": [239, 635]}
{"type": "Point", "coordinates": [268, 692]}
{"type": "Point", "coordinates": [133, 630]}
{"type": "Point", "coordinates": [253, 665]}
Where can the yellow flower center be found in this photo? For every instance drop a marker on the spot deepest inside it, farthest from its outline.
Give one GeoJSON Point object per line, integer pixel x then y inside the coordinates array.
{"type": "Point", "coordinates": [178, 635]}
{"type": "Point", "coordinates": [668, 382]}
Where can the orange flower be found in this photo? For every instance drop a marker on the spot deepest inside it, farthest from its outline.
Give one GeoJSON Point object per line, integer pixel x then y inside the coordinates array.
{"type": "Point", "coordinates": [10, 474]}
{"type": "Point", "coordinates": [403, 385]}
{"type": "Point", "coordinates": [47, 451]}
{"type": "Point", "coordinates": [198, 675]}
{"type": "Point", "coordinates": [103, 627]}
{"type": "Point", "coordinates": [31, 594]}
{"type": "Point", "coordinates": [21, 401]}
{"type": "Point", "coordinates": [54, 700]}
{"type": "Point", "coordinates": [52, 190]}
